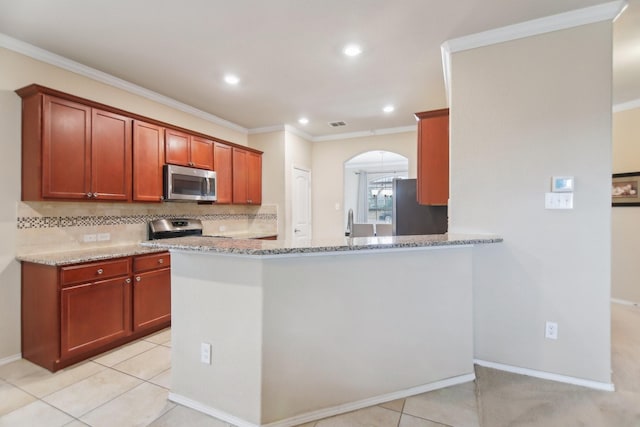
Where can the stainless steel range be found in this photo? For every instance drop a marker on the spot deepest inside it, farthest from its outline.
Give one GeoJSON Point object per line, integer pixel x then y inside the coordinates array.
{"type": "Point", "coordinates": [174, 227]}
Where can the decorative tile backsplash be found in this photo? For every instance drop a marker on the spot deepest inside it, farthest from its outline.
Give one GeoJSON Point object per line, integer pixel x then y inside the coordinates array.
{"type": "Point", "coordinates": [59, 226]}
{"type": "Point", "coordinates": [86, 221]}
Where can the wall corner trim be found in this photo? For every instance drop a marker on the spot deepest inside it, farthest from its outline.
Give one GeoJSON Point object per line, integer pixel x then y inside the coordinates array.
{"type": "Point", "coordinates": [75, 67]}
{"type": "Point", "coordinates": [561, 21]}
{"type": "Point", "coordinates": [546, 375]}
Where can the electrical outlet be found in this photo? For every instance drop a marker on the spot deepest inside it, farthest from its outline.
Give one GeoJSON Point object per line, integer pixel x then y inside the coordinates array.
{"type": "Point", "coordinates": [551, 330]}
{"type": "Point", "coordinates": [89, 238]}
{"type": "Point", "coordinates": [205, 353]}
{"type": "Point", "coordinates": [104, 237]}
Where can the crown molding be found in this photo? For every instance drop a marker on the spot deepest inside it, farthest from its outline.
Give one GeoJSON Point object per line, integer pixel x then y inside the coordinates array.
{"type": "Point", "coordinates": [302, 134]}
{"type": "Point", "coordinates": [350, 135]}
{"type": "Point", "coordinates": [102, 77]}
{"type": "Point", "coordinates": [362, 134]}
{"type": "Point", "coordinates": [561, 21]}
{"type": "Point", "coordinates": [630, 105]}
{"type": "Point", "coordinates": [266, 129]}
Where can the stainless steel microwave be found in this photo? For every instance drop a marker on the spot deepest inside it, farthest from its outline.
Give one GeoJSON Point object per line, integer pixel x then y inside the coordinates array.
{"type": "Point", "coordinates": [184, 184]}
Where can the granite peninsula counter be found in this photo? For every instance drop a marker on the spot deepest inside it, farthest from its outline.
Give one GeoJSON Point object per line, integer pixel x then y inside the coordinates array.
{"type": "Point", "coordinates": [283, 247]}
{"type": "Point", "coordinates": [303, 331]}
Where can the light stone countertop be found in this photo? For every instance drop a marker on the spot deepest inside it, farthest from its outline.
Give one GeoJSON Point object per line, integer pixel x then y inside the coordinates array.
{"type": "Point", "coordinates": [282, 247]}
{"type": "Point", "coordinates": [87, 255]}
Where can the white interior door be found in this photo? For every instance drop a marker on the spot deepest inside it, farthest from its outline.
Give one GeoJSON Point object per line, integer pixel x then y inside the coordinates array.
{"type": "Point", "coordinates": [301, 215]}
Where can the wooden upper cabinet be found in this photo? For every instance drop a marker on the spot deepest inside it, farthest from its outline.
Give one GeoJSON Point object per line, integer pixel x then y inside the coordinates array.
{"type": "Point", "coordinates": [188, 150]}
{"type": "Point", "coordinates": [73, 151]}
{"type": "Point", "coordinates": [201, 151]}
{"type": "Point", "coordinates": [148, 159]}
{"type": "Point", "coordinates": [66, 149]}
{"type": "Point", "coordinates": [433, 157]}
{"type": "Point", "coordinates": [110, 156]}
{"type": "Point", "coordinates": [247, 177]}
{"type": "Point", "coordinates": [222, 164]}
{"type": "Point", "coordinates": [254, 190]}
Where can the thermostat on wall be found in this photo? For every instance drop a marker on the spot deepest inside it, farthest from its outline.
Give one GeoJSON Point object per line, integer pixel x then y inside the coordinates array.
{"type": "Point", "coordinates": [562, 184]}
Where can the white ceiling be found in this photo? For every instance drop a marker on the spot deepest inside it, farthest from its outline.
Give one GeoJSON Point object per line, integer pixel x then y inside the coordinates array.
{"type": "Point", "coordinates": [287, 53]}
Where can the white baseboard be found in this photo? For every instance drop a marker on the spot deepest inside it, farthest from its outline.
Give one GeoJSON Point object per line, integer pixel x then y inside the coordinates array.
{"type": "Point", "coordinates": [322, 413]}
{"type": "Point", "coordinates": [546, 375]}
{"type": "Point", "coordinates": [10, 359]}
{"type": "Point", "coordinates": [624, 302]}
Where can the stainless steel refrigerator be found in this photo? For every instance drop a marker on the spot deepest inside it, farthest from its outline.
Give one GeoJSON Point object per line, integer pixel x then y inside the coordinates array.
{"type": "Point", "coordinates": [410, 218]}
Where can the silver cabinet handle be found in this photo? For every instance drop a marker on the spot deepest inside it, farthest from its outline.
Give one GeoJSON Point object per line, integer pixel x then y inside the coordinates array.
{"type": "Point", "coordinates": [100, 271]}
{"type": "Point", "coordinates": [160, 261]}
{"type": "Point", "coordinates": [295, 230]}
{"type": "Point", "coordinates": [128, 280]}
{"type": "Point", "coordinates": [138, 279]}
{"type": "Point", "coordinates": [88, 195]}
{"type": "Point", "coordinates": [95, 195]}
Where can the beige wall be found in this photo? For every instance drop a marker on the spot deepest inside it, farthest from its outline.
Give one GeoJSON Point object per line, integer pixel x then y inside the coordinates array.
{"type": "Point", "coordinates": [521, 112]}
{"type": "Point", "coordinates": [328, 174]}
{"type": "Point", "coordinates": [19, 71]}
{"type": "Point", "coordinates": [625, 227]}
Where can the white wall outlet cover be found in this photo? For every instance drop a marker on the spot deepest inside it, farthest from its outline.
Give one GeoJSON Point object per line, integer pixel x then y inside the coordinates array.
{"type": "Point", "coordinates": [551, 330]}
{"type": "Point", "coordinates": [103, 237]}
{"type": "Point", "coordinates": [205, 353]}
{"type": "Point", "coordinates": [558, 200]}
{"type": "Point", "coordinates": [89, 238]}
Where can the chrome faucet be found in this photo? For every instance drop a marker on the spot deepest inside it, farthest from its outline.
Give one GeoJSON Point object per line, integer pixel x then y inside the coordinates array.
{"type": "Point", "coordinates": [349, 223]}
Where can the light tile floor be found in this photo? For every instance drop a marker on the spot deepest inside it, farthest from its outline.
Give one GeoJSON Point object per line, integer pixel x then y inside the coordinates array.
{"type": "Point", "coordinates": [129, 387]}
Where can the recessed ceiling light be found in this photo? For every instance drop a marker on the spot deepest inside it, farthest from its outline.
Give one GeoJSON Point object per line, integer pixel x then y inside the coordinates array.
{"type": "Point", "coordinates": [388, 108]}
{"type": "Point", "coordinates": [303, 120]}
{"type": "Point", "coordinates": [352, 50]}
{"type": "Point", "coordinates": [231, 79]}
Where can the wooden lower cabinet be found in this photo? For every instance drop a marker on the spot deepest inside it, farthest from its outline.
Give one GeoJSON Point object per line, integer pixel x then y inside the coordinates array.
{"type": "Point", "coordinates": [151, 291]}
{"type": "Point", "coordinates": [70, 313]}
{"type": "Point", "coordinates": [94, 314]}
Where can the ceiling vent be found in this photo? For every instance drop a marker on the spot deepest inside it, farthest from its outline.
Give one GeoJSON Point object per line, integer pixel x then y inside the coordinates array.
{"type": "Point", "coordinates": [337, 124]}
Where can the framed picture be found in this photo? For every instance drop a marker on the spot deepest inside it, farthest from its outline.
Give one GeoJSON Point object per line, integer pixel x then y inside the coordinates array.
{"type": "Point", "coordinates": [624, 189]}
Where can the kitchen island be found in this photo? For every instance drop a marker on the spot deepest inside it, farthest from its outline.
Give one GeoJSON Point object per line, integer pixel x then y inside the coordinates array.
{"type": "Point", "coordinates": [302, 331]}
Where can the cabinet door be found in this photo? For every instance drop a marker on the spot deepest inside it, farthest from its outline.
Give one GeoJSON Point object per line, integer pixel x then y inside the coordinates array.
{"type": "Point", "coordinates": [110, 156]}
{"type": "Point", "coordinates": [201, 153]}
{"type": "Point", "coordinates": [222, 164]}
{"type": "Point", "coordinates": [151, 299]}
{"type": "Point", "coordinates": [94, 314]}
{"type": "Point", "coordinates": [433, 158]}
{"type": "Point", "coordinates": [254, 172]}
{"type": "Point", "coordinates": [66, 149]}
{"type": "Point", "coordinates": [240, 178]}
{"type": "Point", "coordinates": [148, 159]}
{"type": "Point", "coordinates": [177, 147]}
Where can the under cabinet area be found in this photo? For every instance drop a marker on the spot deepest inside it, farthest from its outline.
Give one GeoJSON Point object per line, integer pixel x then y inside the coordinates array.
{"type": "Point", "coordinates": [73, 312]}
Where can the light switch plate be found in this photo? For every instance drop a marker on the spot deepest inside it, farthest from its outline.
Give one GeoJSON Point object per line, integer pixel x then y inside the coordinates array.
{"type": "Point", "coordinates": [558, 201]}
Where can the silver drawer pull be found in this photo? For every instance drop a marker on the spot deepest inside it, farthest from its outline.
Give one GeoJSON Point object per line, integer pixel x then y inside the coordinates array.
{"type": "Point", "coordinates": [138, 279]}
{"type": "Point", "coordinates": [128, 280]}
{"type": "Point", "coordinates": [100, 271]}
{"type": "Point", "coordinates": [160, 261]}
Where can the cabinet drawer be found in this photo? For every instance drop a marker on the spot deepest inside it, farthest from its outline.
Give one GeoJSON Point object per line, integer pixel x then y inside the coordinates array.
{"type": "Point", "coordinates": [151, 262]}
{"type": "Point", "coordinates": [90, 272]}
